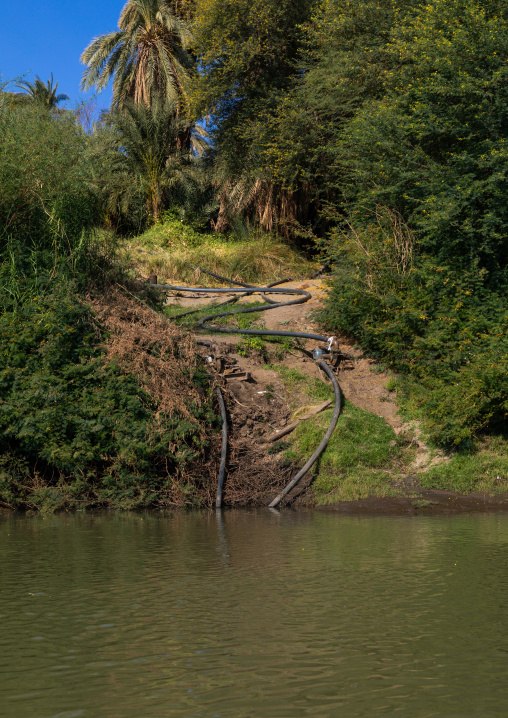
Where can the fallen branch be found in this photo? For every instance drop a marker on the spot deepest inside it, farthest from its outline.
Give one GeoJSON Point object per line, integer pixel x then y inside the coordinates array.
{"type": "Point", "coordinates": [287, 429]}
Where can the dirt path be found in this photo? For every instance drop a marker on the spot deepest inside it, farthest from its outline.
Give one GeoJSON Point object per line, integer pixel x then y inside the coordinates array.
{"type": "Point", "coordinates": [362, 384]}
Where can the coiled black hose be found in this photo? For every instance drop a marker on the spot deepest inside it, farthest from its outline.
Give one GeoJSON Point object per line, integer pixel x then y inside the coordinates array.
{"type": "Point", "coordinates": [302, 296]}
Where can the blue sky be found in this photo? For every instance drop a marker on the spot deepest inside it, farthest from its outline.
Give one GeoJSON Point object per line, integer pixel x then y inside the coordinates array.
{"type": "Point", "coordinates": [41, 38]}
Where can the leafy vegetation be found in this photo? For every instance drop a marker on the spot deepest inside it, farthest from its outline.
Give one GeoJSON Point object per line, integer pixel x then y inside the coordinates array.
{"type": "Point", "coordinates": [421, 255]}
{"type": "Point", "coordinates": [81, 424]}
{"type": "Point", "coordinates": [43, 94]}
{"type": "Point", "coordinates": [77, 429]}
{"type": "Point", "coordinates": [146, 57]}
{"type": "Point", "coordinates": [247, 58]}
{"type": "Point", "coordinates": [173, 250]}
{"type": "Point", "coordinates": [47, 207]}
{"type": "Point", "coordinates": [371, 132]}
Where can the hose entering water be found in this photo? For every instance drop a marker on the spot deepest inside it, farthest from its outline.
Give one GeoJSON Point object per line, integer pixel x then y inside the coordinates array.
{"type": "Point", "coordinates": [315, 456]}
{"type": "Point", "coordinates": [243, 290]}
{"type": "Point", "coordinates": [222, 470]}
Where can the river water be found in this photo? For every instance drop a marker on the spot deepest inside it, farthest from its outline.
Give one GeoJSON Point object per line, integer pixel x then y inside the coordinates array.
{"type": "Point", "coordinates": [253, 614]}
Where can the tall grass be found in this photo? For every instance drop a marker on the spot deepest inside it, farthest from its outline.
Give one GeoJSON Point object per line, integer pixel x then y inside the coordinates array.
{"type": "Point", "coordinates": [47, 208]}
{"type": "Point", "coordinates": [172, 251]}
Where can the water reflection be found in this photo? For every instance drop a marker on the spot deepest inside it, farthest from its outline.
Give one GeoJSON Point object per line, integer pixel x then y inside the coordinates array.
{"type": "Point", "coordinates": [253, 614]}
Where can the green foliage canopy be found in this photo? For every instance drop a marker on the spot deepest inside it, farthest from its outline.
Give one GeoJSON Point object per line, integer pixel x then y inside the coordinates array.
{"type": "Point", "coordinates": [144, 156]}
{"type": "Point", "coordinates": [247, 56]}
{"type": "Point", "coordinates": [435, 146]}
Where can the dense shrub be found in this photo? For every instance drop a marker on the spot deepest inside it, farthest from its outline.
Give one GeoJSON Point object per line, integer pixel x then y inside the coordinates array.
{"type": "Point", "coordinates": [76, 428]}
{"type": "Point", "coordinates": [434, 146]}
{"type": "Point", "coordinates": [421, 262]}
{"type": "Point", "coordinates": [47, 209]}
{"type": "Point", "coordinates": [445, 331]}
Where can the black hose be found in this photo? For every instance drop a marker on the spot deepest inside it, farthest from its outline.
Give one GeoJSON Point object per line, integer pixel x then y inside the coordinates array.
{"type": "Point", "coordinates": [315, 456]}
{"type": "Point", "coordinates": [302, 297]}
{"type": "Point", "coordinates": [242, 284]}
{"type": "Point", "coordinates": [220, 485]}
{"type": "Point", "coordinates": [228, 301]}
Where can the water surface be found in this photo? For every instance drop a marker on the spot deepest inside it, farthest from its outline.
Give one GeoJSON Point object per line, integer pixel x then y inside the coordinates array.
{"type": "Point", "coordinates": [253, 614]}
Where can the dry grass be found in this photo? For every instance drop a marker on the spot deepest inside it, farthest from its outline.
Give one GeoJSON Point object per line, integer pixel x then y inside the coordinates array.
{"type": "Point", "coordinates": [256, 260]}
{"type": "Point", "coordinates": [158, 353]}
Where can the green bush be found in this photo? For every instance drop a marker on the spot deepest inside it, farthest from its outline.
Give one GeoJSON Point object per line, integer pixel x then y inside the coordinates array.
{"type": "Point", "coordinates": [75, 430]}
{"type": "Point", "coordinates": [445, 331]}
{"type": "Point", "coordinates": [421, 262]}
{"type": "Point", "coordinates": [47, 208]}
{"type": "Point", "coordinates": [434, 145]}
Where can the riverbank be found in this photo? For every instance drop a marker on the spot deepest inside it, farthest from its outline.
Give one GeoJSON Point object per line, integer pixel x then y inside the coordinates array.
{"type": "Point", "coordinates": [377, 460]}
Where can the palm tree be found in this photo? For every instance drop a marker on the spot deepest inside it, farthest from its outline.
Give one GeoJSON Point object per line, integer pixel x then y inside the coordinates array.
{"type": "Point", "coordinates": [43, 94]}
{"type": "Point", "coordinates": [245, 197]}
{"type": "Point", "coordinates": [146, 156]}
{"type": "Point", "coordinates": [146, 56]}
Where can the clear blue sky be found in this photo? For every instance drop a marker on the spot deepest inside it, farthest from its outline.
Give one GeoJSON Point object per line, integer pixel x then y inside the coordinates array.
{"type": "Point", "coordinates": [40, 38]}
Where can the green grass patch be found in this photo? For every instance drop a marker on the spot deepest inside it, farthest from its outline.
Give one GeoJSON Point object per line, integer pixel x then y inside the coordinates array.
{"type": "Point", "coordinates": [359, 459]}
{"type": "Point", "coordinates": [301, 387]}
{"type": "Point", "coordinates": [482, 470]}
{"type": "Point", "coordinates": [191, 320]}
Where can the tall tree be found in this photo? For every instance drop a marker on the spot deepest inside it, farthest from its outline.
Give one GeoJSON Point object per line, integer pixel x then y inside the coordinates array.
{"type": "Point", "coordinates": [43, 94]}
{"type": "Point", "coordinates": [434, 148]}
{"type": "Point", "coordinates": [146, 57]}
{"type": "Point", "coordinates": [248, 54]}
{"type": "Point", "coordinates": [144, 156]}
{"type": "Point", "coordinates": [345, 66]}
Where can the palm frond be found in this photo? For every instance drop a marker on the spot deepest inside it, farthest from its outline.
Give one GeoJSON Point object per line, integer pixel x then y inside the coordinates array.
{"type": "Point", "coordinates": [43, 93]}
{"type": "Point", "coordinates": [147, 56]}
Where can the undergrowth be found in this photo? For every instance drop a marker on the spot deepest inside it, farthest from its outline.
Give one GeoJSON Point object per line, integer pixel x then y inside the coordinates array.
{"type": "Point", "coordinates": [86, 420]}
{"type": "Point", "coordinates": [445, 333]}
{"type": "Point", "coordinates": [483, 470]}
{"type": "Point", "coordinates": [172, 251]}
{"type": "Point", "coordinates": [102, 407]}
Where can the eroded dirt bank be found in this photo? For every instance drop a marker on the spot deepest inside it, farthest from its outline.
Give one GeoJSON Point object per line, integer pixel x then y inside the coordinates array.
{"type": "Point", "coordinates": [258, 407]}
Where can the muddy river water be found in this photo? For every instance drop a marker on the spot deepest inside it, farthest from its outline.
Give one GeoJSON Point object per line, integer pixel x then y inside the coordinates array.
{"type": "Point", "coordinates": [253, 614]}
